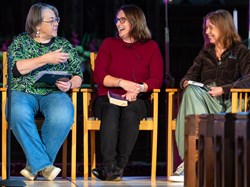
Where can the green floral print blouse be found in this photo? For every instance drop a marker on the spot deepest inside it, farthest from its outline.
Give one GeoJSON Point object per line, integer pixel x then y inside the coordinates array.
{"type": "Point", "coordinates": [24, 47]}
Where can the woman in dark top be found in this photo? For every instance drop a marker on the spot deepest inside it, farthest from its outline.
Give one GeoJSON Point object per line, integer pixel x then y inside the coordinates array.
{"type": "Point", "coordinates": [223, 63]}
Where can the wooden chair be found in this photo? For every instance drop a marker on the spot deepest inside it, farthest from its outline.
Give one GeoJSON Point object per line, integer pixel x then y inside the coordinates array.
{"type": "Point", "coordinates": [173, 98]}
{"type": "Point", "coordinates": [240, 99]}
{"type": "Point", "coordinates": [91, 124]}
{"type": "Point", "coordinates": [39, 123]}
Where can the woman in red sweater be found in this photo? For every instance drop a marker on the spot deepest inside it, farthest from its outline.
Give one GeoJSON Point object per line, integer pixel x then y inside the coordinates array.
{"type": "Point", "coordinates": [130, 65]}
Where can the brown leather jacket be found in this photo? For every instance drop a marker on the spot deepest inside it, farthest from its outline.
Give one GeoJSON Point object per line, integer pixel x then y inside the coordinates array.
{"type": "Point", "coordinates": [233, 71]}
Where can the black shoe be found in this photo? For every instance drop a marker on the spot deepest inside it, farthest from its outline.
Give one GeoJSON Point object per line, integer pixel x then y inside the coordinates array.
{"type": "Point", "coordinates": [99, 173]}
{"type": "Point", "coordinates": [115, 174]}
{"type": "Point", "coordinates": [119, 171]}
{"type": "Point", "coordinates": [108, 174]}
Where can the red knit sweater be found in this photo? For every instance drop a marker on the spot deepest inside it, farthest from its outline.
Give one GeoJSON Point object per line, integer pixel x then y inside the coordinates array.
{"type": "Point", "coordinates": [137, 62]}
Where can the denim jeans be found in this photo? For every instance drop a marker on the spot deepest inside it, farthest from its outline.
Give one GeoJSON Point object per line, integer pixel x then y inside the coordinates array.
{"type": "Point", "coordinates": [41, 149]}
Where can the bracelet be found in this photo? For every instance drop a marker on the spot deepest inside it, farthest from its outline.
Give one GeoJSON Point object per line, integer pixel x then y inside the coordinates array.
{"type": "Point", "coordinates": [142, 87]}
{"type": "Point", "coordinates": [118, 83]}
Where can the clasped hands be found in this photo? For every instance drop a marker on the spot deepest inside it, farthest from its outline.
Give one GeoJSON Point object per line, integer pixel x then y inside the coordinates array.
{"type": "Point", "coordinates": [132, 88]}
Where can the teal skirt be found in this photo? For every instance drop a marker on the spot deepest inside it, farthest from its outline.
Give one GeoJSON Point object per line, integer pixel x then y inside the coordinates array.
{"type": "Point", "coordinates": [196, 100]}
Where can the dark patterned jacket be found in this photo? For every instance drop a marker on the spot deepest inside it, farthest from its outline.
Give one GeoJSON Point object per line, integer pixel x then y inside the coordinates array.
{"type": "Point", "coordinates": [232, 71]}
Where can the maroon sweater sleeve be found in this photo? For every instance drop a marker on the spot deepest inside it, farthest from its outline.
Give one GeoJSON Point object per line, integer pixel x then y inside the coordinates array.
{"type": "Point", "coordinates": [139, 62]}
{"type": "Point", "coordinates": [155, 69]}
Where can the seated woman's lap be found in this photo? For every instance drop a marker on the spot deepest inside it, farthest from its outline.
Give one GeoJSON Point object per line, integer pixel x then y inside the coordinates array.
{"type": "Point", "coordinates": [56, 106]}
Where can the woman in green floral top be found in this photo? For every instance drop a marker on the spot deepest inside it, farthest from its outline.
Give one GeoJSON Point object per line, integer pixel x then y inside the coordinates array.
{"type": "Point", "coordinates": [37, 50]}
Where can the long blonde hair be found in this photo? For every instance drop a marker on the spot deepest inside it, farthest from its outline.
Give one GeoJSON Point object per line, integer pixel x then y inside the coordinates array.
{"type": "Point", "coordinates": [223, 20]}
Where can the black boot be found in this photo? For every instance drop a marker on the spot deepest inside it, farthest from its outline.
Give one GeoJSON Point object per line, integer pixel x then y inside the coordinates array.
{"type": "Point", "coordinates": [119, 171]}
{"type": "Point", "coordinates": [99, 173]}
{"type": "Point", "coordinates": [108, 173]}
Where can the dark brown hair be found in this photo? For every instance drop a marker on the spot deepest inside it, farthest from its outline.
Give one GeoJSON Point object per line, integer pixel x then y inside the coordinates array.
{"type": "Point", "coordinates": [223, 20]}
{"type": "Point", "coordinates": [136, 18]}
{"type": "Point", "coordinates": [34, 16]}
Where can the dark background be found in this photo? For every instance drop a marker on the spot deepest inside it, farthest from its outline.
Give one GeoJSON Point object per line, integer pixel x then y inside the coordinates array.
{"type": "Point", "coordinates": [87, 22]}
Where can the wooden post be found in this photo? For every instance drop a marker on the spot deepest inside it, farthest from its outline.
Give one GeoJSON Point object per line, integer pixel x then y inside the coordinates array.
{"type": "Point", "coordinates": [242, 150]}
{"type": "Point", "coordinates": [191, 150]}
{"type": "Point", "coordinates": [224, 149]}
{"type": "Point", "coordinates": [206, 151]}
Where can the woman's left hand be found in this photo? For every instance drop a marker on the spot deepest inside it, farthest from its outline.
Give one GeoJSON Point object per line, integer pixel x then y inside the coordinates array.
{"type": "Point", "coordinates": [64, 86]}
{"type": "Point", "coordinates": [216, 91]}
{"type": "Point", "coordinates": [131, 96]}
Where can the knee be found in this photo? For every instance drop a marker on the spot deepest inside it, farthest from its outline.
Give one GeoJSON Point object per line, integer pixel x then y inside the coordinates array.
{"type": "Point", "coordinates": [20, 113]}
{"type": "Point", "coordinates": [62, 116]}
{"type": "Point", "coordinates": [130, 116]}
{"type": "Point", "coordinates": [111, 110]}
{"type": "Point", "coordinates": [189, 90]}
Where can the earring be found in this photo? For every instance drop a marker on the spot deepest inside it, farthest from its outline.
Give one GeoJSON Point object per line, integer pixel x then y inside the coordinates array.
{"type": "Point", "coordinates": [37, 34]}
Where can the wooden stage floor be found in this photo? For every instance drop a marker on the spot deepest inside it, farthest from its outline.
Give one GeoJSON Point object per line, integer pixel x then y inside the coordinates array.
{"type": "Point", "coordinates": [126, 181]}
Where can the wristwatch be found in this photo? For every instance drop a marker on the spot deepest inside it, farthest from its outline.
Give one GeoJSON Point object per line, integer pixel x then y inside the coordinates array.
{"type": "Point", "coordinates": [142, 86]}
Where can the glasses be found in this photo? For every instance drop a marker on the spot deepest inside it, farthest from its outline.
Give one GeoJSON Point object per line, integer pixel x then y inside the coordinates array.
{"type": "Point", "coordinates": [121, 20]}
{"type": "Point", "coordinates": [53, 21]}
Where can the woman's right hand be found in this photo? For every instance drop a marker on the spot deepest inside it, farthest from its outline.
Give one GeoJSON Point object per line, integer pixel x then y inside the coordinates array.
{"type": "Point", "coordinates": [130, 86]}
{"type": "Point", "coordinates": [216, 91]}
{"type": "Point", "coordinates": [56, 57]}
{"type": "Point", "coordinates": [130, 96]}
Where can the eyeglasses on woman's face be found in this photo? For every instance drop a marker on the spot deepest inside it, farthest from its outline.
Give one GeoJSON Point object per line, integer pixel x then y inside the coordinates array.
{"type": "Point", "coordinates": [53, 21]}
{"type": "Point", "coordinates": [121, 20]}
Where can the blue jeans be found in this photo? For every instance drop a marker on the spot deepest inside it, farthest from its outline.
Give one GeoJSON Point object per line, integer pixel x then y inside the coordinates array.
{"type": "Point", "coordinates": [41, 149]}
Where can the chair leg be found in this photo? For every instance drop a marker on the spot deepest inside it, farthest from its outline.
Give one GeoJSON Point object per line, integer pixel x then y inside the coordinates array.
{"type": "Point", "coordinates": [170, 137]}
{"type": "Point", "coordinates": [154, 134]}
{"type": "Point", "coordinates": [4, 137]}
{"type": "Point", "coordinates": [93, 152]}
{"type": "Point", "coordinates": [64, 158]}
{"type": "Point", "coordinates": [4, 152]}
{"type": "Point", "coordinates": [74, 136]}
{"type": "Point", "coordinates": [73, 153]}
{"type": "Point", "coordinates": [170, 153]}
{"type": "Point", "coordinates": [85, 154]}
{"type": "Point", "coordinates": [154, 155]}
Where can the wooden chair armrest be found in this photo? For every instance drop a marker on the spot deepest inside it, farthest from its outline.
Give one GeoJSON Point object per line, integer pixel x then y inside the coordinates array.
{"type": "Point", "coordinates": [156, 90]}
{"type": "Point", "coordinates": [238, 94]}
{"type": "Point", "coordinates": [172, 90]}
{"type": "Point", "coordinates": [3, 89]}
{"type": "Point", "coordinates": [88, 90]}
{"type": "Point", "coordinates": [240, 90]}
{"type": "Point", "coordinates": [75, 90]}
